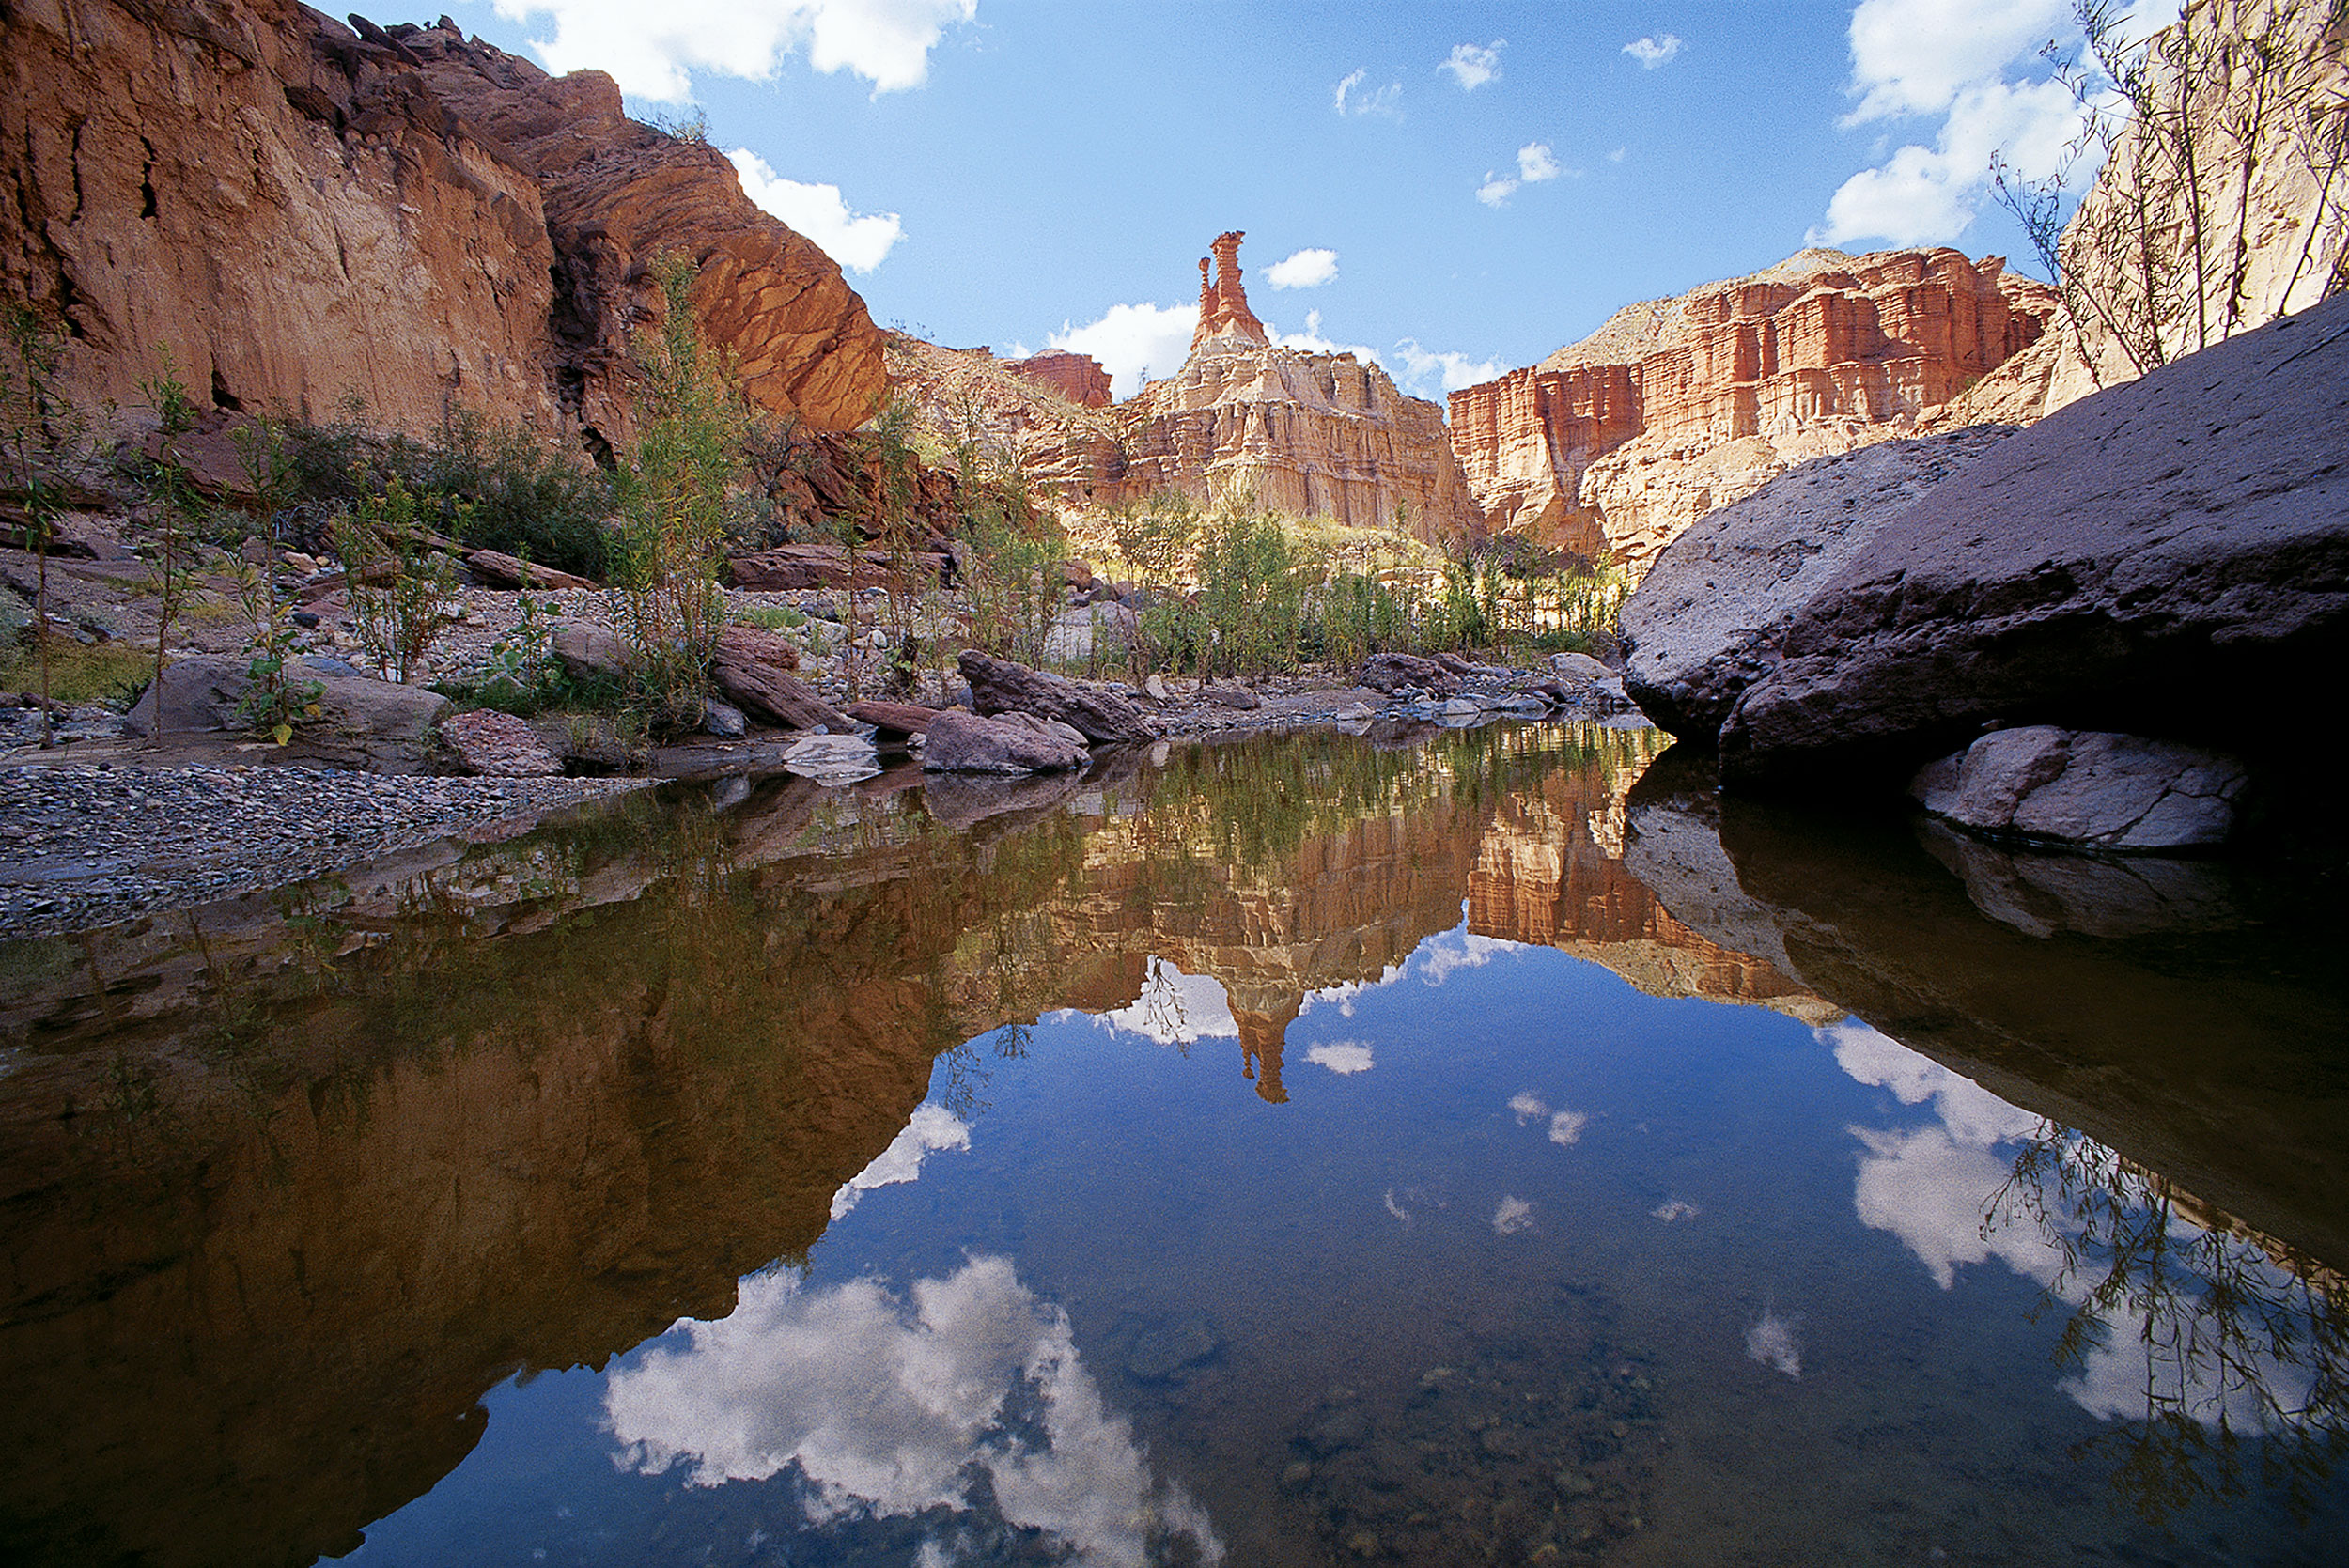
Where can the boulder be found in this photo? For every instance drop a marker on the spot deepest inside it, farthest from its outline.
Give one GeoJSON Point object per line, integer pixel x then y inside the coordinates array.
{"type": "Point", "coordinates": [796, 569]}
{"type": "Point", "coordinates": [376, 726]}
{"type": "Point", "coordinates": [1389, 673]}
{"type": "Point", "coordinates": [498, 745]}
{"type": "Point", "coordinates": [832, 760]}
{"type": "Point", "coordinates": [961, 799]}
{"type": "Point", "coordinates": [1081, 632]}
{"type": "Point", "coordinates": [748, 668]}
{"type": "Point", "coordinates": [725, 720]}
{"type": "Point", "coordinates": [501, 571]}
{"type": "Point", "coordinates": [1233, 696]}
{"type": "Point", "coordinates": [586, 652]}
{"type": "Point", "coordinates": [959, 742]}
{"type": "Point", "coordinates": [892, 720]}
{"type": "Point", "coordinates": [2112, 791]}
{"type": "Point", "coordinates": [2170, 556]}
{"type": "Point", "coordinates": [1707, 621]}
{"type": "Point", "coordinates": [1099, 714]}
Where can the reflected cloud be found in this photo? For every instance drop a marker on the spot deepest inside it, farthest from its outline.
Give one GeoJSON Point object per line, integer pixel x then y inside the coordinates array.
{"type": "Point", "coordinates": [1342, 1057]}
{"type": "Point", "coordinates": [1672, 1209]}
{"type": "Point", "coordinates": [1438, 958]}
{"type": "Point", "coordinates": [1343, 995]}
{"type": "Point", "coordinates": [1527, 1105]}
{"type": "Point", "coordinates": [1565, 1126]}
{"type": "Point", "coordinates": [1776, 1343]}
{"type": "Point", "coordinates": [1971, 1113]}
{"type": "Point", "coordinates": [1513, 1215]}
{"type": "Point", "coordinates": [1176, 1009]}
{"type": "Point", "coordinates": [932, 1129]}
{"type": "Point", "coordinates": [1396, 1209]}
{"type": "Point", "coordinates": [972, 1391]}
{"type": "Point", "coordinates": [1929, 1189]}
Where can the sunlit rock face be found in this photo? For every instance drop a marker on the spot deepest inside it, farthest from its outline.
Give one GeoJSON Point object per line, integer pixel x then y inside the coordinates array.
{"type": "Point", "coordinates": [1676, 406]}
{"type": "Point", "coordinates": [1302, 433]}
{"type": "Point", "coordinates": [301, 213]}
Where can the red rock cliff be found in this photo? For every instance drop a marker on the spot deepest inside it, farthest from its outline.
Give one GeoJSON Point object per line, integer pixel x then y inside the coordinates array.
{"type": "Point", "coordinates": [1676, 406]}
{"type": "Point", "coordinates": [1079, 378]}
{"type": "Point", "coordinates": [297, 212]}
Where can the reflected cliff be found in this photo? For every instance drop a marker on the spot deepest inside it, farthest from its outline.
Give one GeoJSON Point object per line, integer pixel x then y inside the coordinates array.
{"type": "Point", "coordinates": [277, 1166]}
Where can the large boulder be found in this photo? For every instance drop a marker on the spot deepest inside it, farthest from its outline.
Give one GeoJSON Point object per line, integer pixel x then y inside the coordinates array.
{"type": "Point", "coordinates": [375, 726]}
{"type": "Point", "coordinates": [753, 668]}
{"type": "Point", "coordinates": [2111, 791]}
{"type": "Point", "coordinates": [1098, 713]}
{"type": "Point", "coordinates": [1707, 620]}
{"type": "Point", "coordinates": [2167, 557]}
{"type": "Point", "coordinates": [960, 742]}
{"type": "Point", "coordinates": [498, 745]}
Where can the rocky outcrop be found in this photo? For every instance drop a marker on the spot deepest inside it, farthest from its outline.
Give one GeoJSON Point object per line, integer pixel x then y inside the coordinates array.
{"type": "Point", "coordinates": [2168, 558]}
{"type": "Point", "coordinates": [1676, 406]}
{"type": "Point", "coordinates": [1708, 619]}
{"type": "Point", "coordinates": [1078, 377]}
{"type": "Point", "coordinates": [2108, 791]}
{"type": "Point", "coordinates": [966, 743]}
{"type": "Point", "coordinates": [299, 212]}
{"type": "Point", "coordinates": [498, 745]}
{"type": "Point", "coordinates": [373, 727]}
{"type": "Point", "coordinates": [753, 668]}
{"type": "Point", "coordinates": [1304, 434]}
{"type": "Point", "coordinates": [1093, 710]}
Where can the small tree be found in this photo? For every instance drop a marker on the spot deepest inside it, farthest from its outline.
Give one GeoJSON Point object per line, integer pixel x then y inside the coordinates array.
{"type": "Point", "coordinates": [676, 502]}
{"type": "Point", "coordinates": [36, 429]}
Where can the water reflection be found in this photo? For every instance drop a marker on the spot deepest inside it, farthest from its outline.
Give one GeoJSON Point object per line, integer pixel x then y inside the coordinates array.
{"type": "Point", "coordinates": [964, 1405]}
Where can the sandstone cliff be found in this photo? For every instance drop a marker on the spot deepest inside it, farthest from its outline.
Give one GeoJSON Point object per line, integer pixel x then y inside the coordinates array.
{"type": "Point", "coordinates": [1078, 377]}
{"type": "Point", "coordinates": [298, 212]}
{"type": "Point", "coordinates": [1676, 406]}
{"type": "Point", "coordinates": [1306, 434]}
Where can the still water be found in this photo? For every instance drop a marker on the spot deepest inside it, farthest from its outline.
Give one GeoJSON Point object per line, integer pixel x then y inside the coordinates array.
{"type": "Point", "coordinates": [1486, 1149]}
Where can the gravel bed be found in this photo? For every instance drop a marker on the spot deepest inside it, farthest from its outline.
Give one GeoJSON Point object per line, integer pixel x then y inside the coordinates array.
{"type": "Point", "coordinates": [82, 846]}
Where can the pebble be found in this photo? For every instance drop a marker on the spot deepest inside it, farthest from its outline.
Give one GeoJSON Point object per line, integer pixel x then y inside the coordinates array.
{"type": "Point", "coordinates": [90, 845]}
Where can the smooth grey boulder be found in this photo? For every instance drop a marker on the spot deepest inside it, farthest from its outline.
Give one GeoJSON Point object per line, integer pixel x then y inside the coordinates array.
{"type": "Point", "coordinates": [2088, 895]}
{"type": "Point", "coordinates": [2171, 557]}
{"type": "Point", "coordinates": [959, 742]}
{"type": "Point", "coordinates": [2088, 787]}
{"type": "Point", "coordinates": [375, 726]}
{"type": "Point", "coordinates": [1706, 620]}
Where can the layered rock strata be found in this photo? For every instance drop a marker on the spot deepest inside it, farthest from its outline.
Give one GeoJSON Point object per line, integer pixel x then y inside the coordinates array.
{"type": "Point", "coordinates": [1302, 433]}
{"type": "Point", "coordinates": [300, 212]}
{"type": "Point", "coordinates": [1078, 377]}
{"type": "Point", "coordinates": [1677, 407]}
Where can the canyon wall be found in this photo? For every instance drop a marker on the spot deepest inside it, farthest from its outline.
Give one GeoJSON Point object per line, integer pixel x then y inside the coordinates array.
{"type": "Point", "coordinates": [298, 214]}
{"type": "Point", "coordinates": [1078, 377]}
{"type": "Point", "coordinates": [1305, 434]}
{"type": "Point", "coordinates": [1679, 406]}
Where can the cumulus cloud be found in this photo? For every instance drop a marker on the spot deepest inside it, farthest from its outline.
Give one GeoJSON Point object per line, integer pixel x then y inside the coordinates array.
{"type": "Point", "coordinates": [1341, 1057]}
{"type": "Point", "coordinates": [1535, 162]}
{"type": "Point", "coordinates": [1427, 370]}
{"type": "Point", "coordinates": [1977, 66]}
{"type": "Point", "coordinates": [1513, 1215]}
{"type": "Point", "coordinates": [859, 242]}
{"type": "Point", "coordinates": [1776, 1343]}
{"type": "Point", "coordinates": [1474, 65]}
{"type": "Point", "coordinates": [895, 1407]}
{"type": "Point", "coordinates": [1653, 51]}
{"type": "Point", "coordinates": [1457, 950]}
{"type": "Point", "coordinates": [1565, 1126]}
{"type": "Point", "coordinates": [1496, 190]}
{"type": "Point", "coordinates": [1308, 268]}
{"type": "Point", "coordinates": [652, 51]}
{"type": "Point", "coordinates": [1350, 97]}
{"type": "Point", "coordinates": [1312, 341]}
{"type": "Point", "coordinates": [932, 1129]}
{"type": "Point", "coordinates": [1133, 342]}
{"type": "Point", "coordinates": [1971, 1113]}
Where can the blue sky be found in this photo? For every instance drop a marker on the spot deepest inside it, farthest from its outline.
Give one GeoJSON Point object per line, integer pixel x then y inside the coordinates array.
{"type": "Point", "coordinates": [1491, 180]}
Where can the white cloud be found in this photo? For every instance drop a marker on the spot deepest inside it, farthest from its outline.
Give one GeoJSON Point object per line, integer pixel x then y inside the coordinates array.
{"type": "Point", "coordinates": [1971, 1113]}
{"type": "Point", "coordinates": [1775, 1344]}
{"type": "Point", "coordinates": [932, 1129]}
{"type": "Point", "coordinates": [1308, 268]}
{"type": "Point", "coordinates": [1349, 100]}
{"type": "Point", "coordinates": [1674, 1209]}
{"type": "Point", "coordinates": [1133, 342]}
{"type": "Point", "coordinates": [859, 242]}
{"type": "Point", "coordinates": [1566, 1127]}
{"type": "Point", "coordinates": [1977, 65]}
{"type": "Point", "coordinates": [893, 1408]}
{"type": "Point", "coordinates": [652, 51]}
{"type": "Point", "coordinates": [1526, 1105]}
{"type": "Point", "coordinates": [1446, 371]}
{"type": "Point", "coordinates": [1472, 951]}
{"type": "Point", "coordinates": [1310, 341]}
{"type": "Point", "coordinates": [1496, 189]}
{"type": "Point", "coordinates": [1616, 156]}
{"type": "Point", "coordinates": [1535, 163]}
{"type": "Point", "coordinates": [1175, 1008]}
{"type": "Point", "coordinates": [1653, 51]}
{"type": "Point", "coordinates": [1513, 1215]}
{"type": "Point", "coordinates": [1341, 1057]}
{"type": "Point", "coordinates": [1474, 65]}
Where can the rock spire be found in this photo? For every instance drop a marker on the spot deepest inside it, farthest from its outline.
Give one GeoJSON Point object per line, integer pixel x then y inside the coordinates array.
{"type": "Point", "coordinates": [1223, 311]}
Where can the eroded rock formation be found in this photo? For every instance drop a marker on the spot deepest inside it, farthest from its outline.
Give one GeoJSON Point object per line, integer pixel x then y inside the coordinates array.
{"type": "Point", "coordinates": [1677, 407]}
{"type": "Point", "coordinates": [1078, 377]}
{"type": "Point", "coordinates": [1306, 434]}
{"type": "Point", "coordinates": [299, 212]}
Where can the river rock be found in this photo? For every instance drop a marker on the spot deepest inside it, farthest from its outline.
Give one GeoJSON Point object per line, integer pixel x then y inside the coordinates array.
{"type": "Point", "coordinates": [1707, 621]}
{"type": "Point", "coordinates": [2170, 556]}
{"type": "Point", "coordinates": [1389, 673]}
{"type": "Point", "coordinates": [377, 726]}
{"type": "Point", "coordinates": [967, 743]}
{"type": "Point", "coordinates": [2093, 787]}
{"type": "Point", "coordinates": [753, 668]}
{"type": "Point", "coordinates": [832, 760]}
{"type": "Point", "coordinates": [498, 745]}
{"type": "Point", "coordinates": [892, 720]}
{"type": "Point", "coordinates": [1000, 686]}
{"type": "Point", "coordinates": [587, 652]}
{"type": "Point", "coordinates": [501, 571]}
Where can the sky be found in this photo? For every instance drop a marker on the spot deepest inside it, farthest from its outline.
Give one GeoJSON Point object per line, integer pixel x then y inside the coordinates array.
{"type": "Point", "coordinates": [1455, 190]}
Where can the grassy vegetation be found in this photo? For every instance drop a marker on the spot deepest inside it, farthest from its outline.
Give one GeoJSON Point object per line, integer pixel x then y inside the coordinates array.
{"type": "Point", "coordinates": [103, 673]}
